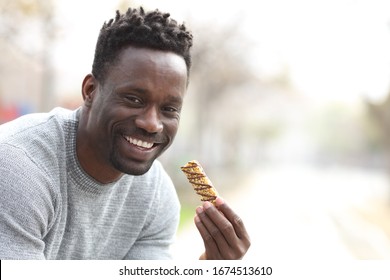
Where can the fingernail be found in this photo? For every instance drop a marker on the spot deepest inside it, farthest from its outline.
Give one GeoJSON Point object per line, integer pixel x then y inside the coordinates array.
{"type": "Point", "coordinates": [197, 220]}
{"type": "Point", "coordinates": [219, 201]}
{"type": "Point", "coordinates": [199, 210]}
{"type": "Point", "coordinates": [206, 205]}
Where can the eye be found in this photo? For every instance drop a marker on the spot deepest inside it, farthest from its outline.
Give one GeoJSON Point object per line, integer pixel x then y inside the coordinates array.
{"type": "Point", "coordinates": [170, 109]}
{"type": "Point", "coordinates": [133, 100]}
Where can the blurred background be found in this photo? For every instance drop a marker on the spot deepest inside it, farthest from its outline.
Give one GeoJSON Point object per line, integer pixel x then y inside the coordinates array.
{"type": "Point", "coordinates": [288, 110]}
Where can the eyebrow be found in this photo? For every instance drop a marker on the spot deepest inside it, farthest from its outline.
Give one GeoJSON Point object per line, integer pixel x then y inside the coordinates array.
{"type": "Point", "coordinates": [126, 87]}
{"type": "Point", "coordinates": [122, 90]}
{"type": "Point", "coordinates": [175, 99]}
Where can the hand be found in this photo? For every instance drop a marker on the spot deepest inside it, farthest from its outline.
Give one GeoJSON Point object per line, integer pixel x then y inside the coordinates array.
{"type": "Point", "coordinates": [222, 230]}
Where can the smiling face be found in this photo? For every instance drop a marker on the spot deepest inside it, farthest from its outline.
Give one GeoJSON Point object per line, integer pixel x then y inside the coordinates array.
{"type": "Point", "coordinates": [131, 117]}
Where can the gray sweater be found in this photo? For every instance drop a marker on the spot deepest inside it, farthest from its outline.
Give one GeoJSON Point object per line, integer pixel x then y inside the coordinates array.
{"type": "Point", "coordinates": [51, 209]}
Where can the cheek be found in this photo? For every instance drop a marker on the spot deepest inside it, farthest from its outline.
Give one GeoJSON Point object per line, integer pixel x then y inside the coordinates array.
{"type": "Point", "coordinates": [107, 111]}
{"type": "Point", "coordinates": [103, 117]}
{"type": "Point", "coordinates": [172, 128]}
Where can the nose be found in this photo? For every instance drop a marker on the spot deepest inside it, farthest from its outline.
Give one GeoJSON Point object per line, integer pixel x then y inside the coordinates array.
{"type": "Point", "coordinates": [149, 120]}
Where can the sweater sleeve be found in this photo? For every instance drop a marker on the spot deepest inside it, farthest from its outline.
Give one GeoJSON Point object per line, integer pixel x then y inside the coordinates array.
{"type": "Point", "coordinates": [159, 232]}
{"type": "Point", "coordinates": [26, 206]}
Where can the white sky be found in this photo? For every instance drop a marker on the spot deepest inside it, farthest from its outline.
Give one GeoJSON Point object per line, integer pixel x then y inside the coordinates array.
{"type": "Point", "coordinates": [334, 49]}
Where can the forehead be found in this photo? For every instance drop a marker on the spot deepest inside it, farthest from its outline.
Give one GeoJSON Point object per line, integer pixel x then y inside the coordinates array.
{"type": "Point", "coordinates": [133, 61]}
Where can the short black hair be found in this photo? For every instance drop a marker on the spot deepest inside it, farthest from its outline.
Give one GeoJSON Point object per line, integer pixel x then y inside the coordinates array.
{"type": "Point", "coordinates": [153, 29]}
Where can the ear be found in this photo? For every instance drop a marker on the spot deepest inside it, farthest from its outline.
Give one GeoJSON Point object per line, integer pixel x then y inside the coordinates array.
{"type": "Point", "coordinates": [88, 89]}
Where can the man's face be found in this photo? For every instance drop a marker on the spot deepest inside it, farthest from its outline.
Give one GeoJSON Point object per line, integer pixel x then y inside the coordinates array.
{"type": "Point", "coordinates": [134, 114]}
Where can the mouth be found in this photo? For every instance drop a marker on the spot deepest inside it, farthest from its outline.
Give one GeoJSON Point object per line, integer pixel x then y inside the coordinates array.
{"type": "Point", "coordinates": [139, 143]}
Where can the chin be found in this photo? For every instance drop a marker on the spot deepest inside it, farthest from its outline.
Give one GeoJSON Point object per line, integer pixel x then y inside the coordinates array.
{"type": "Point", "coordinates": [132, 168]}
{"type": "Point", "coordinates": [136, 171]}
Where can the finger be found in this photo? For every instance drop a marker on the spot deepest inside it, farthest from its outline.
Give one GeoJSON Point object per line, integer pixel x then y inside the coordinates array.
{"type": "Point", "coordinates": [211, 247]}
{"type": "Point", "coordinates": [206, 236]}
{"type": "Point", "coordinates": [234, 219]}
{"type": "Point", "coordinates": [213, 230]}
{"type": "Point", "coordinates": [221, 222]}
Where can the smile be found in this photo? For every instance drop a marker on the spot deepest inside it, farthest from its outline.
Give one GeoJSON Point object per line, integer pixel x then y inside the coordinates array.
{"type": "Point", "coordinates": [138, 143]}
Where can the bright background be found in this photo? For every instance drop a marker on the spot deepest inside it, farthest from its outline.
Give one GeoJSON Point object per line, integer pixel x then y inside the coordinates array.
{"type": "Point", "coordinates": [287, 110]}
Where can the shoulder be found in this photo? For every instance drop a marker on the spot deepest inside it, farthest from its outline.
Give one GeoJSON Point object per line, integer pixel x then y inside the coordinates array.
{"type": "Point", "coordinates": [35, 124]}
{"type": "Point", "coordinates": [157, 184]}
{"type": "Point", "coordinates": [157, 171]}
{"type": "Point", "coordinates": [20, 174]}
{"type": "Point", "coordinates": [37, 140]}
{"type": "Point", "coordinates": [30, 160]}
{"type": "Point", "coordinates": [158, 177]}
{"type": "Point", "coordinates": [166, 190]}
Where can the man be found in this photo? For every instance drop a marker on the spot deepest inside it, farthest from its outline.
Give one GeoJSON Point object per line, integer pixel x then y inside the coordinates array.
{"type": "Point", "coordinates": [86, 184]}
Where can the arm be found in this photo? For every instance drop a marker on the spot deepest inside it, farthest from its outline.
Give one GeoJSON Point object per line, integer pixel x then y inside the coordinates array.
{"type": "Point", "coordinates": [24, 207]}
{"type": "Point", "coordinates": [222, 230]}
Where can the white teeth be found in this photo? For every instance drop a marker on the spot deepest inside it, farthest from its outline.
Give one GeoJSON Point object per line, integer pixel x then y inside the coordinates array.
{"type": "Point", "coordinates": [139, 143]}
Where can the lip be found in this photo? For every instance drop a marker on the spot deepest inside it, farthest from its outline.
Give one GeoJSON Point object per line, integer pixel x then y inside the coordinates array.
{"type": "Point", "coordinates": [139, 149]}
{"type": "Point", "coordinates": [139, 142]}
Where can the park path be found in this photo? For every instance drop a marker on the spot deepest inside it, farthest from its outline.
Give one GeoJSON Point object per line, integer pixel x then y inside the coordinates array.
{"type": "Point", "coordinates": [304, 212]}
